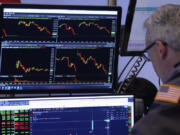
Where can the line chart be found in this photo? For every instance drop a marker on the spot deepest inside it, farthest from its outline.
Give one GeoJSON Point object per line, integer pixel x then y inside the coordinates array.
{"type": "Point", "coordinates": [86, 61]}
{"type": "Point", "coordinates": [68, 28]}
{"type": "Point", "coordinates": [82, 64]}
{"type": "Point", "coordinates": [29, 69]}
{"type": "Point", "coordinates": [94, 24]}
{"type": "Point", "coordinates": [85, 30]}
{"type": "Point", "coordinates": [28, 29]}
{"type": "Point", "coordinates": [69, 64]}
{"type": "Point", "coordinates": [28, 24]}
{"type": "Point", "coordinates": [32, 64]}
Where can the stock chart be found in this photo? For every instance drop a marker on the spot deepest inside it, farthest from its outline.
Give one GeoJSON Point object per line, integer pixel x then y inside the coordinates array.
{"type": "Point", "coordinates": [25, 65]}
{"type": "Point", "coordinates": [51, 49]}
{"type": "Point", "coordinates": [85, 30]}
{"type": "Point", "coordinates": [28, 29]}
{"type": "Point", "coordinates": [82, 65]}
{"type": "Point", "coordinates": [66, 65]}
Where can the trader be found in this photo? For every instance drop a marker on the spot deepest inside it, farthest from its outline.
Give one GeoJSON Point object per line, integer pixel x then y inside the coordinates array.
{"type": "Point", "coordinates": [163, 46]}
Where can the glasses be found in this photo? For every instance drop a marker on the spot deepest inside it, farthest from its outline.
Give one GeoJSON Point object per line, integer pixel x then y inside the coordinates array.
{"type": "Point", "coordinates": [149, 47]}
{"type": "Point", "coordinates": [145, 54]}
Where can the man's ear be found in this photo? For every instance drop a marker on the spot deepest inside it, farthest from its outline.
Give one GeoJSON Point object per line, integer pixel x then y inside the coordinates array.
{"type": "Point", "coordinates": [162, 49]}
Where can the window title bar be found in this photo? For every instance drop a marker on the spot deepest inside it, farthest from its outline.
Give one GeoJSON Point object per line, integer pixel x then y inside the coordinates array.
{"type": "Point", "coordinates": [60, 11]}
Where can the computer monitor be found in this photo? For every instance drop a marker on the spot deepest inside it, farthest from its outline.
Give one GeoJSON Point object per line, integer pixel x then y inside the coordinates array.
{"type": "Point", "coordinates": [138, 11]}
{"type": "Point", "coordinates": [96, 115]}
{"type": "Point", "coordinates": [48, 48]}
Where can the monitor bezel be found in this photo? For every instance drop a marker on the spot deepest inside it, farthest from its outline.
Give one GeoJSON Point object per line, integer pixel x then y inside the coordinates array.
{"type": "Point", "coordinates": [78, 96]}
{"type": "Point", "coordinates": [45, 6]}
{"type": "Point", "coordinates": [127, 31]}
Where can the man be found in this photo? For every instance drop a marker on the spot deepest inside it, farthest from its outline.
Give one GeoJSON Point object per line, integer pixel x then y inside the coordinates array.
{"type": "Point", "coordinates": [163, 47]}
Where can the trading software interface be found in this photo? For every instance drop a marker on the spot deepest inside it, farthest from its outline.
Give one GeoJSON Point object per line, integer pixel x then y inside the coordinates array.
{"type": "Point", "coordinates": [67, 116]}
{"type": "Point", "coordinates": [143, 10]}
{"type": "Point", "coordinates": [57, 48]}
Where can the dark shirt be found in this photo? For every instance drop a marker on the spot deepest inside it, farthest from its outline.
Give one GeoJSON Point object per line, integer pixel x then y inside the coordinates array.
{"type": "Point", "coordinates": [164, 117]}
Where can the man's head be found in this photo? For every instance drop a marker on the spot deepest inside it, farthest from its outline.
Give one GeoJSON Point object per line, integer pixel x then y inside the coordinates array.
{"type": "Point", "coordinates": [163, 31]}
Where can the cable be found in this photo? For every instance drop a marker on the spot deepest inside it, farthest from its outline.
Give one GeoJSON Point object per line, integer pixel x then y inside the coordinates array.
{"type": "Point", "coordinates": [133, 72]}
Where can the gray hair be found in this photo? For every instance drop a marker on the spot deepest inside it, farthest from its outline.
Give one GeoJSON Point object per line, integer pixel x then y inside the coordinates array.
{"type": "Point", "coordinates": [164, 25]}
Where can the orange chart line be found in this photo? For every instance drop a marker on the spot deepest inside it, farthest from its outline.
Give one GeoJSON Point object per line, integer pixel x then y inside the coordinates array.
{"type": "Point", "coordinates": [5, 33]}
{"type": "Point", "coordinates": [69, 64]}
{"type": "Point", "coordinates": [68, 28]}
{"type": "Point", "coordinates": [95, 24]}
{"type": "Point", "coordinates": [35, 24]}
{"type": "Point", "coordinates": [26, 70]}
{"type": "Point", "coordinates": [85, 61]}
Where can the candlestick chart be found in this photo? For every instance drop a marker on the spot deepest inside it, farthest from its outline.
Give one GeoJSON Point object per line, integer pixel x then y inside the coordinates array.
{"type": "Point", "coordinates": [28, 29]}
{"type": "Point", "coordinates": [25, 65]}
{"type": "Point", "coordinates": [85, 30]}
{"type": "Point", "coordinates": [82, 65]}
{"type": "Point", "coordinates": [58, 49]}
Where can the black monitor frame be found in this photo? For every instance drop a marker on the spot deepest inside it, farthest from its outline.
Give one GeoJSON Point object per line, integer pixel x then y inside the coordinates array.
{"type": "Point", "coordinates": [16, 104]}
{"type": "Point", "coordinates": [101, 90]}
{"type": "Point", "coordinates": [127, 31]}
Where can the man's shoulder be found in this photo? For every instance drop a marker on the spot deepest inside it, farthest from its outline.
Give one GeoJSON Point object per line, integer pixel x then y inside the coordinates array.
{"type": "Point", "coordinates": [162, 119]}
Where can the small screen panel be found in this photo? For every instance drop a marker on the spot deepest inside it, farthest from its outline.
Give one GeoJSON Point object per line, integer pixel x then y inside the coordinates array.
{"type": "Point", "coordinates": [48, 47]}
{"type": "Point", "coordinates": [140, 10]}
{"type": "Point", "coordinates": [102, 115]}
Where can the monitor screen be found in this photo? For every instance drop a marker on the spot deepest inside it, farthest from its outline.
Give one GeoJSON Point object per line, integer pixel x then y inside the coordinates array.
{"type": "Point", "coordinates": [56, 48]}
{"type": "Point", "coordinates": [139, 11]}
{"type": "Point", "coordinates": [97, 115]}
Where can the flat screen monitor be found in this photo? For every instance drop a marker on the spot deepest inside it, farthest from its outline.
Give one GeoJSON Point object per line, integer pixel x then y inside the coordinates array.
{"type": "Point", "coordinates": [96, 115]}
{"type": "Point", "coordinates": [139, 10]}
{"type": "Point", "coordinates": [48, 48]}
